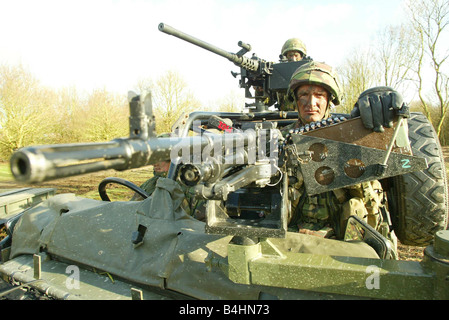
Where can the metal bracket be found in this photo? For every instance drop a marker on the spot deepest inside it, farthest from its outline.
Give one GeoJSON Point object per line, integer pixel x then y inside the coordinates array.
{"type": "Point", "coordinates": [136, 294]}
{"type": "Point", "coordinates": [37, 264]}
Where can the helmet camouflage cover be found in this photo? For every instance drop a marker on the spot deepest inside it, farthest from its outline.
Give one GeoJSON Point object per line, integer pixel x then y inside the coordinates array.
{"type": "Point", "coordinates": [317, 73]}
{"type": "Point", "coordinates": [294, 44]}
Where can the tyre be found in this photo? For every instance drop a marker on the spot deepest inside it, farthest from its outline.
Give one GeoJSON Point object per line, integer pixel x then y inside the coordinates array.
{"type": "Point", "coordinates": [418, 201]}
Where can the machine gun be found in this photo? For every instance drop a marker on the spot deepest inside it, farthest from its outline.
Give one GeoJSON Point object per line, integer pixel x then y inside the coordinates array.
{"type": "Point", "coordinates": [270, 79]}
{"type": "Point", "coordinates": [247, 197]}
{"type": "Point", "coordinates": [242, 172]}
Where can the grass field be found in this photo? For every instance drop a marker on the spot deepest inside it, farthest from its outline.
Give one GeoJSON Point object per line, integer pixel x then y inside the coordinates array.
{"type": "Point", "coordinates": [5, 173]}
{"type": "Point", "coordinates": [83, 185]}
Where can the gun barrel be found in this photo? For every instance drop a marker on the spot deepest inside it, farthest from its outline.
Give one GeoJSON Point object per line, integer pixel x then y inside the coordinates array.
{"type": "Point", "coordinates": [42, 163]}
{"type": "Point", "coordinates": [47, 162]}
{"type": "Point", "coordinates": [250, 64]}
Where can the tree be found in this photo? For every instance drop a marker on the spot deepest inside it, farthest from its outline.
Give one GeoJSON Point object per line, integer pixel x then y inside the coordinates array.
{"type": "Point", "coordinates": [430, 20]}
{"type": "Point", "coordinates": [396, 55]}
{"type": "Point", "coordinates": [25, 107]}
{"type": "Point", "coordinates": [67, 126]}
{"type": "Point", "coordinates": [357, 73]}
{"type": "Point", "coordinates": [171, 98]}
{"type": "Point", "coordinates": [104, 117]}
{"type": "Point", "coordinates": [232, 102]}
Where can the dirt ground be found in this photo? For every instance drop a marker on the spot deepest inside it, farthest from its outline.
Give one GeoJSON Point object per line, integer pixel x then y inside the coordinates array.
{"type": "Point", "coordinates": [87, 186]}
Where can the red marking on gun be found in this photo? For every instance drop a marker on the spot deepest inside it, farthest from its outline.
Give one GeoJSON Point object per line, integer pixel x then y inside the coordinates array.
{"type": "Point", "coordinates": [216, 122]}
{"type": "Point", "coordinates": [223, 126]}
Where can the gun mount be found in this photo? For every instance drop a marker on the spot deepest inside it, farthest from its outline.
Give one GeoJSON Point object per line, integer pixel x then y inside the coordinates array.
{"type": "Point", "coordinates": [271, 79]}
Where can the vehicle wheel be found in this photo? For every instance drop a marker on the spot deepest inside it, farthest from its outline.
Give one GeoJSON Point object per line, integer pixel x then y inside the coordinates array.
{"type": "Point", "coordinates": [418, 201]}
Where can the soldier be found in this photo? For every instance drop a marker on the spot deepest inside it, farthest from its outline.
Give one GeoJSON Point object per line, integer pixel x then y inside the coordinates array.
{"type": "Point", "coordinates": [160, 170]}
{"type": "Point", "coordinates": [293, 50]}
{"type": "Point", "coordinates": [313, 89]}
{"type": "Point", "coordinates": [194, 207]}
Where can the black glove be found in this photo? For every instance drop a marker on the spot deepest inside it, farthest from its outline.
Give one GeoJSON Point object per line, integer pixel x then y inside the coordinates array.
{"type": "Point", "coordinates": [378, 106]}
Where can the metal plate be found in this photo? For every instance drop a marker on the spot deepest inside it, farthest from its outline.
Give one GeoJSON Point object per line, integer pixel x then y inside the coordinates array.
{"type": "Point", "coordinates": [336, 164]}
{"type": "Point", "coordinates": [353, 131]}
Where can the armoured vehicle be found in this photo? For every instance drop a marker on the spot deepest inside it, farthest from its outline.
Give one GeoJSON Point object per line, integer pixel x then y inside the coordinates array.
{"type": "Point", "coordinates": [69, 247]}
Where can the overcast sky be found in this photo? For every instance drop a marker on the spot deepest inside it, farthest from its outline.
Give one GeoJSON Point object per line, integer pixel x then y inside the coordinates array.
{"type": "Point", "coordinates": [112, 44]}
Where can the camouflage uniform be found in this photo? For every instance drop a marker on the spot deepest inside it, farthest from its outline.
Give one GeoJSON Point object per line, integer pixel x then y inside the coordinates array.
{"type": "Point", "coordinates": [192, 206]}
{"type": "Point", "coordinates": [326, 214]}
{"type": "Point", "coordinates": [149, 185]}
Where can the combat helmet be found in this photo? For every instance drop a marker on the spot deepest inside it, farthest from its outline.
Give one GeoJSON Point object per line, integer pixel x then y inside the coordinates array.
{"type": "Point", "coordinates": [317, 73]}
{"type": "Point", "coordinates": [294, 44]}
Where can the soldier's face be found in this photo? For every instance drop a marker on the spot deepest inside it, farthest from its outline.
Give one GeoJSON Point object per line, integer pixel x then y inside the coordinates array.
{"type": "Point", "coordinates": [161, 166]}
{"type": "Point", "coordinates": [293, 56]}
{"type": "Point", "coordinates": [312, 101]}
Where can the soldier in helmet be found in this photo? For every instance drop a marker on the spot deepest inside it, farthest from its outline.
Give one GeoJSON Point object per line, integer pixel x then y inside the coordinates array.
{"type": "Point", "coordinates": [293, 50]}
{"type": "Point", "coordinates": [191, 206]}
{"type": "Point", "coordinates": [313, 89]}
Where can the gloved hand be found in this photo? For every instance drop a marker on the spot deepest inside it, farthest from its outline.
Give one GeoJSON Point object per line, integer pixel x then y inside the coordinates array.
{"type": "Point", "coordinates": [378, 106]}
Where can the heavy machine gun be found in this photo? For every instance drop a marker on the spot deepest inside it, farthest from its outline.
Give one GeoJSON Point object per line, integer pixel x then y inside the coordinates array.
{"type": "Point", "coordinates": [249, 156]}
{"type": "Point", "coordinates": [268, 80]}
{"type": "Point", "coordinates": [244, 181]}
